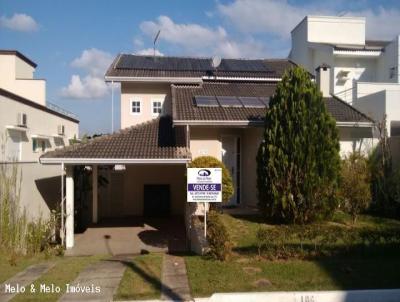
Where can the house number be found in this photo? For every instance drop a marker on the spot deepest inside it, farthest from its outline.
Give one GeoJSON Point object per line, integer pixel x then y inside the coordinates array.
{"type": "Point", "coordinates": [307, 299]}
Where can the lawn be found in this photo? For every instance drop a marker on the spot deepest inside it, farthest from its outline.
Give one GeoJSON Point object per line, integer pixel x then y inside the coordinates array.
{"type": "Point", "coordinates": [246, 271]}
{"type": "Point", "coordinates": [65, 271]}
{"type": "Point", "coordinates": [9, 267]}
{"type": "Point", "coordinates": [142, 278]}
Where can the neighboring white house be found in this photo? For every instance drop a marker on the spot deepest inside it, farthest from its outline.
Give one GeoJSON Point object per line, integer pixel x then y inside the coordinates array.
{"type": "Point", "coordinates": [29, 127]}
{"type": "Point", "coordinates": [364, 73]}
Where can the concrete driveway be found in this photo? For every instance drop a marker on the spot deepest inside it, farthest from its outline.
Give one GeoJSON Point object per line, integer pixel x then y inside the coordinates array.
{"type": "Point", "coordinates": [131, 235]}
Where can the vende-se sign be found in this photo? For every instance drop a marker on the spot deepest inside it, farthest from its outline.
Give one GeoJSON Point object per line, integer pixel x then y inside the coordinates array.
{"type": "Point", "coordinates": [204, 185]}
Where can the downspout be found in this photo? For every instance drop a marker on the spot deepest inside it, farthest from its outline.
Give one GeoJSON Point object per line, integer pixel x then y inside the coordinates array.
{"type": "Point", "coordinates": [112, 106]}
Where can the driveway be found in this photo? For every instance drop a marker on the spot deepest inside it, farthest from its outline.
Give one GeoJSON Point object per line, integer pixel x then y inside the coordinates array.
{"type": "Point", "coordinates": [131, 235]}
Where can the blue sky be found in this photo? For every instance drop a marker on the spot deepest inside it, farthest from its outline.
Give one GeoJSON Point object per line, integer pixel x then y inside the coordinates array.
{"type": "Point", "coordinates": [74, 41]}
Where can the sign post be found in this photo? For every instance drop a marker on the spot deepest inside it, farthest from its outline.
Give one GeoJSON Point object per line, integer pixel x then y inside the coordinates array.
{"type": "Point", "coordinates": [204, 185]}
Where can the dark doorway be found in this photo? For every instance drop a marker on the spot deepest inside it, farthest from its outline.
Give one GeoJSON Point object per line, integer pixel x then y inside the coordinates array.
{"type": "Point", "coordinates": [157, 201]}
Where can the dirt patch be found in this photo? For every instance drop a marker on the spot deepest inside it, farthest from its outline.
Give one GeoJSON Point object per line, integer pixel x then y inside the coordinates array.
{"type": "Point", "coordinates": [243, 260]}
{"type": "Point", "coordinates": [251, 270]}
{"type": "Point", "coordinates": [262, 283]}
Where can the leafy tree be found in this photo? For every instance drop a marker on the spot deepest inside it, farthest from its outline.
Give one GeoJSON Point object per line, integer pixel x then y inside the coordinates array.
{"type": "Point", "coordinates": [212, 162]}
{"type": "Point", "coordinates": [355, 190]}
{"type": "Point", "coordinates": [298, 161]}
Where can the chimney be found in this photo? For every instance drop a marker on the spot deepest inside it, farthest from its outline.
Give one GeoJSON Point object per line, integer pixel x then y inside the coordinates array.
{"type": "Point", "coordinates": [323, 75]}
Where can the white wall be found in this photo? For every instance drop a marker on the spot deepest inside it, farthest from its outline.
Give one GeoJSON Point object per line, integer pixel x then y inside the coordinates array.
{"type": "Point", "coordinates": [39, 123]}
{"type": "Point", "coordinates": [18, 79]}
{"type": "Point", "coordinates": [389, 59]}
{"type": "Point", "coordinates": [356, 139]}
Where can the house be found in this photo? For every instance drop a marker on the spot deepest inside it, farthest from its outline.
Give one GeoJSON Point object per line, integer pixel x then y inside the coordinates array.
{"type": "Point", "coordinates": [174, 109]}
{"type": "Point", "coordinates": [364, 73]}
{"type": "Point", "coordinates": [31, 126]}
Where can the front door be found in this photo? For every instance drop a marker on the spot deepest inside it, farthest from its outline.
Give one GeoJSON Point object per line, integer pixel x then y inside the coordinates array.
{"type": "Point", "coordinates": [231, 159]}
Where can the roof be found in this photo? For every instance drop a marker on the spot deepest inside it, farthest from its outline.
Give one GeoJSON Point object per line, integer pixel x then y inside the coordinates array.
{"type": "Point", "coordinates": [186, 111]}
{"type": "Point", "coordinates": [19, 55]}
{"type": "Point", "coordinates": [129, 65]}
{"type": "Point", "coordinates": [33, 104]}
{"type": "Point", "coordinates": [344, 112]}
{"type": "Point", "coordinates": [155, 139]}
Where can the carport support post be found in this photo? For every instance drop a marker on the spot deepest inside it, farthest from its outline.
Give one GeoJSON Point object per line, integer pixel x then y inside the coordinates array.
{"type": "Point", "coordinates": [69, 207]}
{"type": "Point", "coordinates": [95, 193]}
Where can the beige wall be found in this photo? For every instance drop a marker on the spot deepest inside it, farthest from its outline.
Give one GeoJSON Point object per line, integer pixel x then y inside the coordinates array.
{"type": "Point", "coordinates": [124, 195]}
{"type": "Point", "coordinates": [39, 123]}
{"type": "Point", "coordinates": [145, 93]}
{"type": "Point", "coordinates": [18, 79]}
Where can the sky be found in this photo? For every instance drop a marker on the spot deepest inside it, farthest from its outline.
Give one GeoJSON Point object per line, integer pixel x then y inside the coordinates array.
{"type": "Point", "coordinates": [73, 42]}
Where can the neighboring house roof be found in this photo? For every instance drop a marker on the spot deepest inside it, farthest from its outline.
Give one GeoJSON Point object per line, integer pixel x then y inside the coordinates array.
{"type": "Point", "coordinates": [33, 104]}
{"type": "Point", "coordinates": [185, 110]}
{"type": "Point", "coordinates": [344, 112]}
{"type": "Point", "coordinates": [19, 55]}
{"type": "Point", "coordinates": [155, 139]}
{"type": "Point", "coordinates": [129, 65]}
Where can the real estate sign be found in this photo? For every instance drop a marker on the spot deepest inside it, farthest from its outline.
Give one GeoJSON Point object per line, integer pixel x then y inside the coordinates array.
{"type": "Point", "coordinates": [204, 185]}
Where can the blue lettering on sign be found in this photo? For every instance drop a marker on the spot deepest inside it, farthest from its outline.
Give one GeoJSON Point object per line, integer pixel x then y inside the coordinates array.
{"type": "Point", "coordinates": [204, 187]}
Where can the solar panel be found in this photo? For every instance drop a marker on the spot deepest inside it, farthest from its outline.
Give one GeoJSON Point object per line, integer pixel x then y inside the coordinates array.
{"type": "Point", "coordinates": [265, 101]}
{"type": "Point", "coordinates": [252, 102]}
{"type": "Point", "coordinates": [163, 63]}
{"type": "Point", "coordinates": [206, 101]}
{"type": "Point", "coordinates": [229, 101]}
{"type": "Point", "coordinates": [242, 65]}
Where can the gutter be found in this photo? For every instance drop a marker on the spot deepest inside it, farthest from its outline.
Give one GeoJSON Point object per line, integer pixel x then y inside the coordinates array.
{"type": "Point", "coordinates": [261, 79]}
{"type": "Point", "coordinates": [171, 80]}
{"type": "Point", "coordinates": [356, 124]}
{"type": "Point", "coordinates": [105, 161]}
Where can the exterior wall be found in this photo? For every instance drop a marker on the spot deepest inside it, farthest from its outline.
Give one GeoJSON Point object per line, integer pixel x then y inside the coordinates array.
{"type": "Point", "coordinates": [39, 123]}
{"type": "Point", "coordinates": [389, 59]}
{"type": "Point", "coordinates": [336, 30]}
{"type": "Point", "coordinates": [356, 139]}
{"type": "Point", "coordinates": [19, 79]}
{"type": "Point", "coordinates": [146, 93]}
{"type": "Point", "coordinates": [300, 52]}
{"type": "Point", "coordinates": [124, 194]}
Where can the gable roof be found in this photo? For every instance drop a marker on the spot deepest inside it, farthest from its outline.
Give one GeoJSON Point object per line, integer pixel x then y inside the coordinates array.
{"type": "Point", "coordinates": [155, 140]}
{"type": "Point", "coordinates": [185, 110]}
{"type": "Point", "coordinates": [129, 65]}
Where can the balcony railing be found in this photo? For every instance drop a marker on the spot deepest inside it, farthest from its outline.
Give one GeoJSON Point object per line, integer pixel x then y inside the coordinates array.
{"type": "Point", "coordinates": [58, 109]}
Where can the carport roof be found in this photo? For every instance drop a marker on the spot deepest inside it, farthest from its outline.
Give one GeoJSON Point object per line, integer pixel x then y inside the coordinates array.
{"type": "Point", "coordinates": [155, 141]}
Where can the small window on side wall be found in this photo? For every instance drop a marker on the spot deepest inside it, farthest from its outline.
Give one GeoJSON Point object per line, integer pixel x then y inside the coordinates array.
{"type": "Point", "coordinates": [156, 107]}
{"type": "Point", "coordinates": [135, 107]}
{"type": "Point", "coordinates": [38, 145]}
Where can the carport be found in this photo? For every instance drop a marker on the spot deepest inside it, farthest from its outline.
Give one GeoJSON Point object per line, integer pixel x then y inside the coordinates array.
{"type": "Point", "coordinates": [144, 166]}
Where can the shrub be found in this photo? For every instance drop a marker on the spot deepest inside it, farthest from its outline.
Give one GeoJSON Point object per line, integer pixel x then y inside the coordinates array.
{"type": "Point", "coordinates": [298, 162]}
{"type": "Point", "coordinates": [212, 162]}
{"type": "Point", "coordinates": [355, 189]}
{"type": "Point", "coordinates": [218, 237]}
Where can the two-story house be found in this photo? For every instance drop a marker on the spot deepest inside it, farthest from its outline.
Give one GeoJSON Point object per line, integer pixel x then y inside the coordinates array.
{"type": "Point", "coordinates": [364, 73]}
{"type": "Point", "coordinates": [29, 127]}
{"type": "Point", "coordinates": [174, 109]}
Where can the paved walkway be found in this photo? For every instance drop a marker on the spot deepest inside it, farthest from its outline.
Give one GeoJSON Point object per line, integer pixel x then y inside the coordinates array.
{"type": "Point", "coordinates": [105, 275]}
{"type": "Point", "coordinates": [175, 284]}
{"type": "Point", "coordinates": [24, 278]}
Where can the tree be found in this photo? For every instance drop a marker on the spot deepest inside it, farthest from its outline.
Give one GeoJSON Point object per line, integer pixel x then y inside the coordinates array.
{"type": "Point", "coordinates": [298, 160]}
{"type": "Point", "coordinates": [355, 189]}
{"type": "Point", "coordinates": [212, 162]}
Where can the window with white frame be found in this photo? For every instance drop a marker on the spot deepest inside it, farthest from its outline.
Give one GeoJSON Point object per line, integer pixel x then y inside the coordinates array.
{"type": "Point", "coordinates": [156, 107]}
{"type": "Point", "coordinates": [136, 106]}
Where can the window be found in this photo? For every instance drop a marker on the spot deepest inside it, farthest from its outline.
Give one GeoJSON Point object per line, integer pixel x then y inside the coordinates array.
{"type": "Point", "coordinates": [38, 145]}
{"type": "Point", "coordinates": [135, 106]}
{"type": "Point", "coordinates": [394, 128]}
{"type": "Point", "coordinates": [156, 107]}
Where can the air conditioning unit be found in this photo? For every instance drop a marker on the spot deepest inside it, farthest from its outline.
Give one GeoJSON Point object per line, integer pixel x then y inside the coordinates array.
{"type": "Point", "coordinates": [60, 130]}
{"type": "Point", "coordinates": [22, 120]}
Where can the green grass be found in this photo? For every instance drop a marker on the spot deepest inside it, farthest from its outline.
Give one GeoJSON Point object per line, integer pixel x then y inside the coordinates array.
{"type": "Point", "coordinates": [142, 278]}
{"type": "Point", "coordinates": [9, 267]}
{"type": "Point", "coordinates": [65, 271]}
{"type": "Point", "coordinates": [380, 269]}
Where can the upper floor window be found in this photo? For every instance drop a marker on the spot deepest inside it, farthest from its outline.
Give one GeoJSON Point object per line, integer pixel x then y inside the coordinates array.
{"type": "Point", "coordinates": [135, 106]}
{"type": "Point", "coordinates": [156, 107]}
